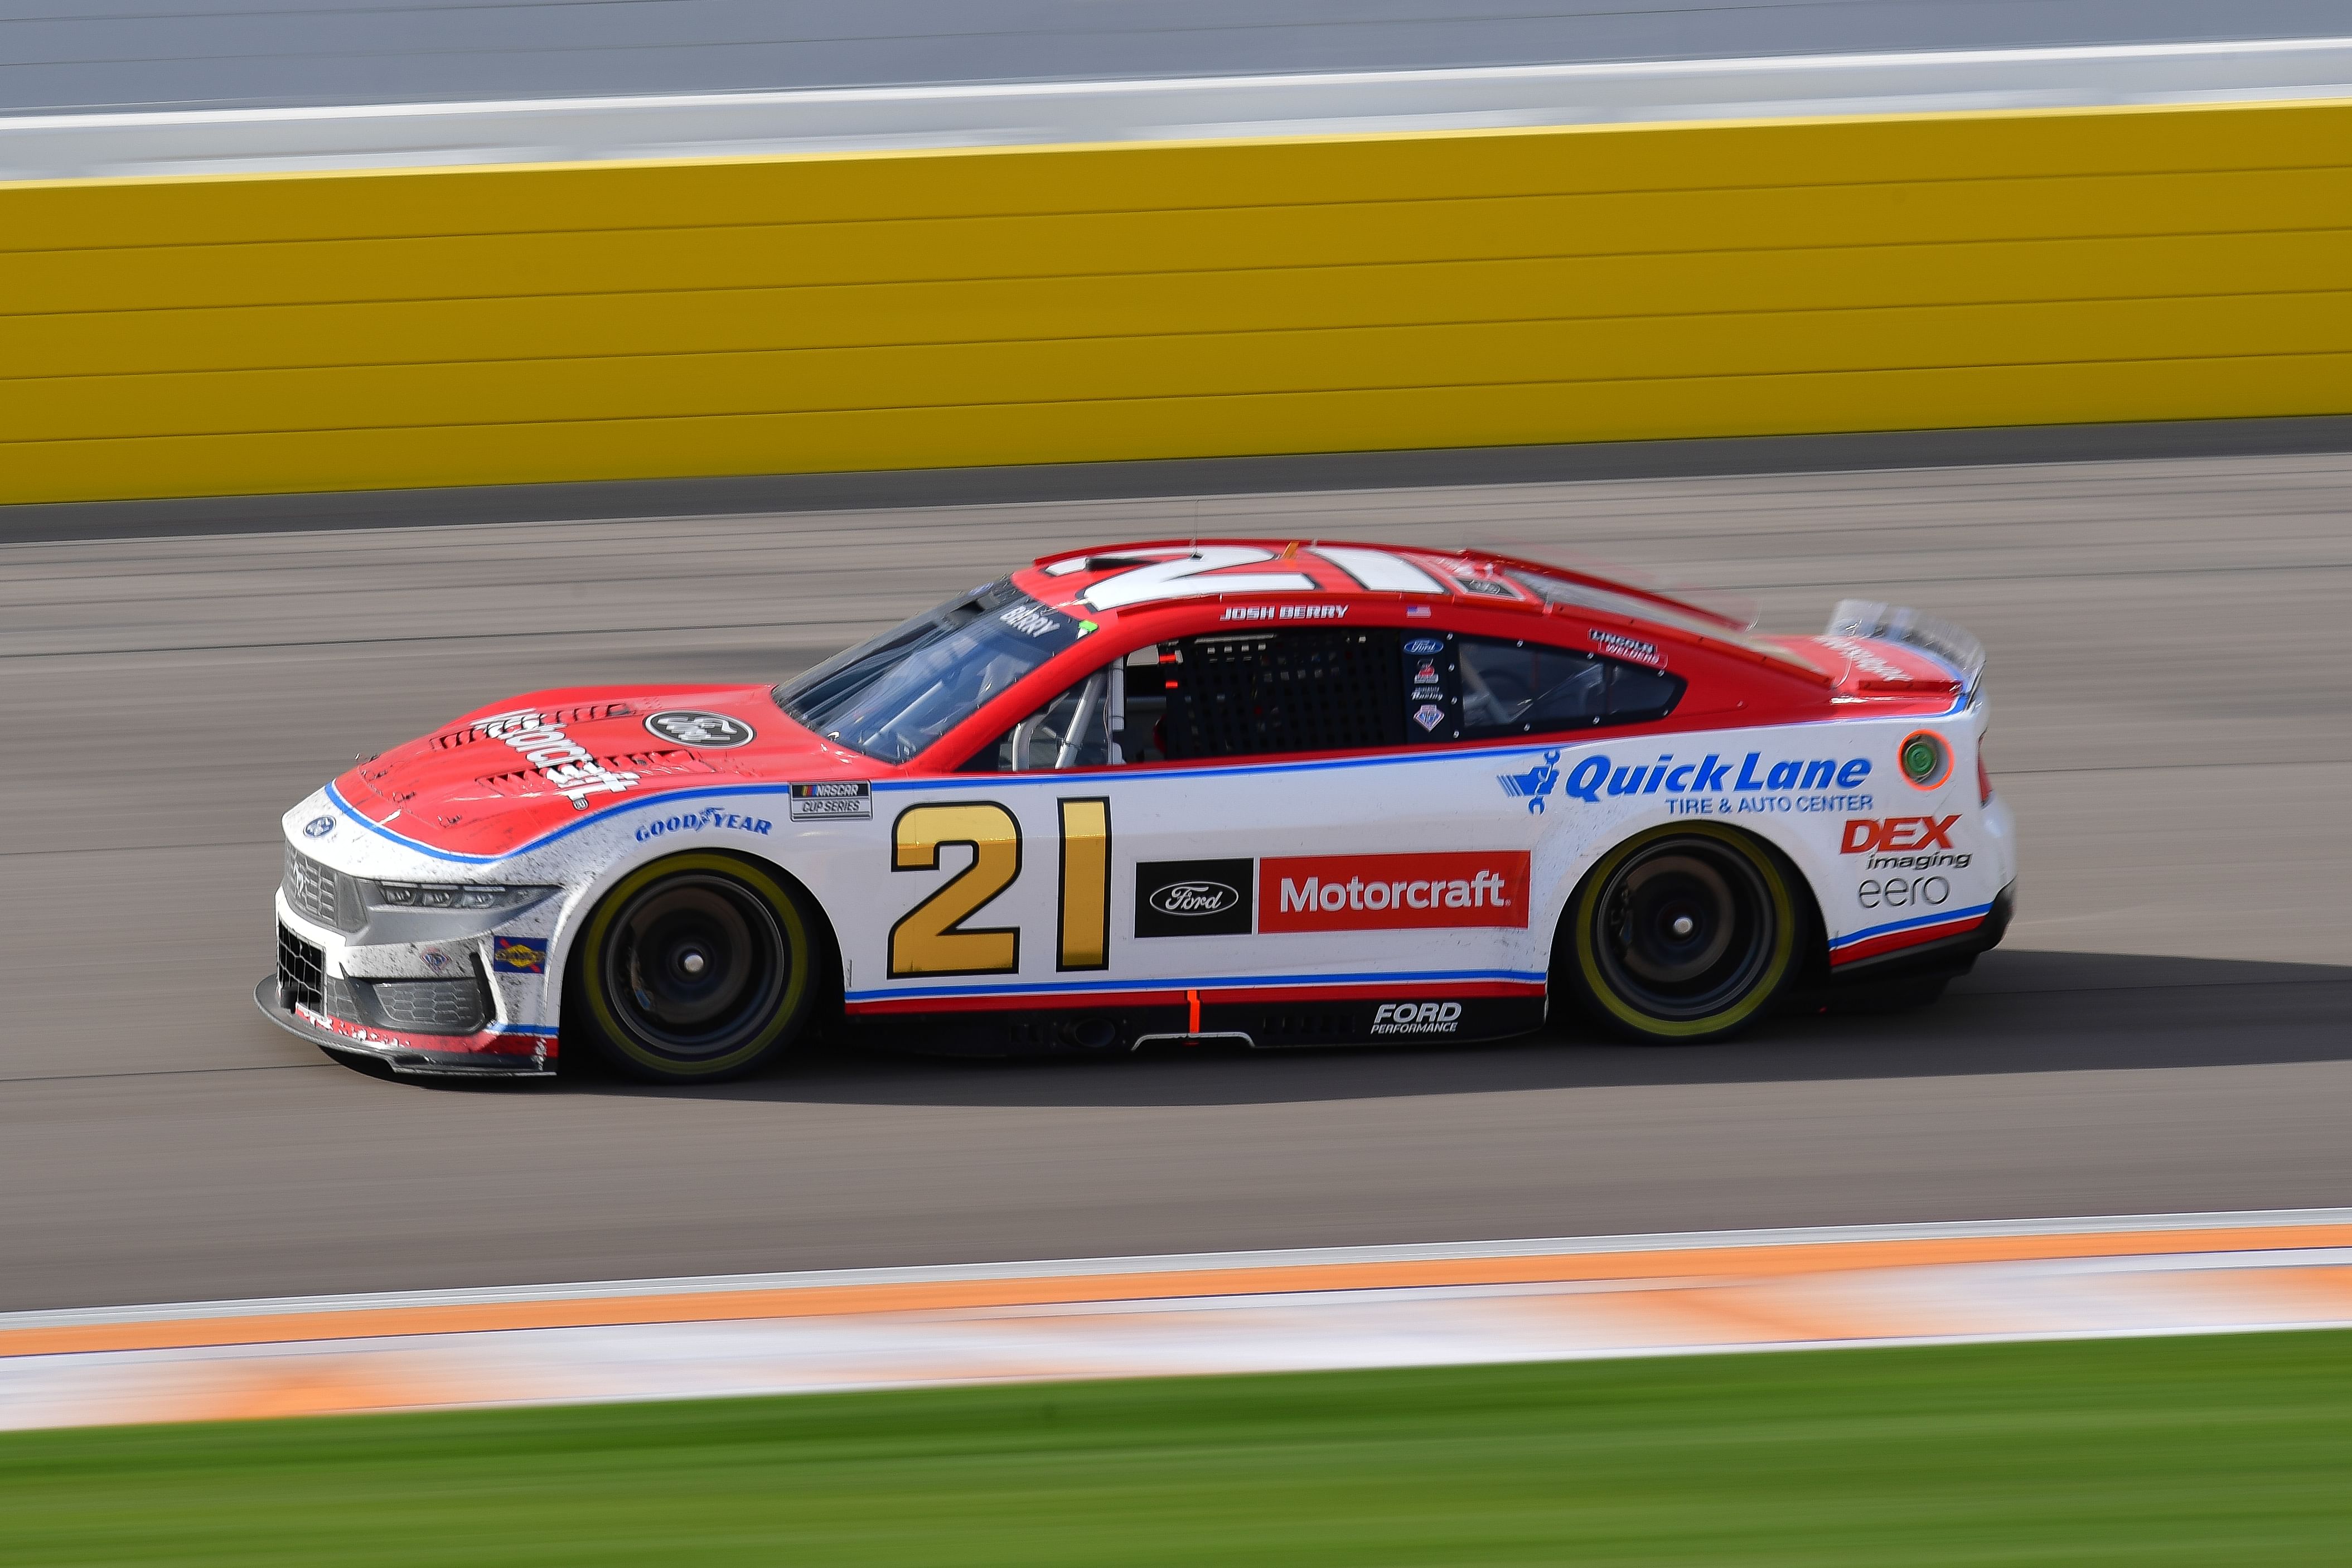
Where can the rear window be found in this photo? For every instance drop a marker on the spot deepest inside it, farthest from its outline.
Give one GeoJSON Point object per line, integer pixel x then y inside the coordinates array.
{"type": "Point", "coordinates": [1528, 689]}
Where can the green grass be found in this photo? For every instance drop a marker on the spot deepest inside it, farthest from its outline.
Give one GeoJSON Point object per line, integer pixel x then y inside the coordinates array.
{"type": "Point", "coordinates": [2220, 1450]}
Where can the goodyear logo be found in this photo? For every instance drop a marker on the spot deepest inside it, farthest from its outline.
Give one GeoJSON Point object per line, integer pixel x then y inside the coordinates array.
{"type": "Point", "coordinates": [517, 955]}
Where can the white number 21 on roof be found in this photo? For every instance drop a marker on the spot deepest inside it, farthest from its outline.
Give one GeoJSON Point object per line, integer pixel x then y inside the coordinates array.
{"type": "Point", "coordinates": [1194, 575]}
{"type": "Point", "coordinates": [1186, 577]}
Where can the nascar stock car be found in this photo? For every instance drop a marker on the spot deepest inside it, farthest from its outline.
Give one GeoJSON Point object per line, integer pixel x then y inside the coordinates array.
{"type": "Point", "coordinates": [1275, 792]}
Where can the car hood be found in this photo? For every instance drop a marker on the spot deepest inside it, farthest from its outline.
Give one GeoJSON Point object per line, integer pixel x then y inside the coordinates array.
{"type": "Point", "coordinates": [498, 779]}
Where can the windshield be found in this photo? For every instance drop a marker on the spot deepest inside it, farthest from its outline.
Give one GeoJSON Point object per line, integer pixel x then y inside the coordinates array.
{"type": "Point", "coordinates": [892, 697]}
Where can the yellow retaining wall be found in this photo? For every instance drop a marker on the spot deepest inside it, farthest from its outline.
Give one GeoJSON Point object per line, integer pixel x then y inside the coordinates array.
{"type": "Point", "coordinates": [240, 334]}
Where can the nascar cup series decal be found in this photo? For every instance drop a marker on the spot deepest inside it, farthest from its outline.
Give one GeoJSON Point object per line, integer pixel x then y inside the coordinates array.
{"type": "Point", "coordinates": [1695, 786]}
{"type": "Point", "coordinates": [812, 802]}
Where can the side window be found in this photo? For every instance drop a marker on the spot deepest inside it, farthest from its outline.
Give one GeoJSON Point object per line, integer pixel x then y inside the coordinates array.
{"type": "Point", "coordinates": [1526, 688]}
{"type": "Point", "coordinates": [1242, 694]}
{"type": "Point", "coordinates": [1074, 731]}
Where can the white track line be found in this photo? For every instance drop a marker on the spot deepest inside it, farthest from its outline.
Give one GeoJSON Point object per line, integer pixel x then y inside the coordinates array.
{"type": "Point", "coordinates": [1330, 1308]}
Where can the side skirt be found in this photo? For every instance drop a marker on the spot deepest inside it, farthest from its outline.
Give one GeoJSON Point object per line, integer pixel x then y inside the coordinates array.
{"type": "Point", "coordinates": [1266, 1024]}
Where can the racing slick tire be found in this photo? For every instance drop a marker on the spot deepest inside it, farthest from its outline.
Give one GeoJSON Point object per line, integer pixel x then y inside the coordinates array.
{"type": "Point", "coordinates": [696, 968]}
{"type": "Point", "coordinates": [1681, 935]}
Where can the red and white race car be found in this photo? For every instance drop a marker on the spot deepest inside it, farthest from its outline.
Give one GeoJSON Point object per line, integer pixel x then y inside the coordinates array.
{"type": "Point", "coordinates": [1278, 791]}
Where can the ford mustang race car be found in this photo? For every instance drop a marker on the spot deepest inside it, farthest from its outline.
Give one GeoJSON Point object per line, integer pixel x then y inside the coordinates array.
{"type": "Point", "coordinates": [1279, 793]}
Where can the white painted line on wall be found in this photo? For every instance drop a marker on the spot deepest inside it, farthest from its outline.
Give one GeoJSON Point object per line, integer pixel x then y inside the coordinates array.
{"type": "Point", "coordinates": [849, 120]}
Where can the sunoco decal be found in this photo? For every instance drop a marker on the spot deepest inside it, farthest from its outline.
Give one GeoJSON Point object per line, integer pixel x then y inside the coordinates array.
{"type": "Point", "coordinates": [517, 955]}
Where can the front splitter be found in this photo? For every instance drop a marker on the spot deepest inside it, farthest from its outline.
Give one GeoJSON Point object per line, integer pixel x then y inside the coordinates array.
{"type": "Point", "coordinates": [399, 1053]}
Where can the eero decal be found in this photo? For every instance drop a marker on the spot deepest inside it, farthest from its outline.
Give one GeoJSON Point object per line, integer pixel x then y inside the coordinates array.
{"type": "Point", "coordinates": [1394, 892]}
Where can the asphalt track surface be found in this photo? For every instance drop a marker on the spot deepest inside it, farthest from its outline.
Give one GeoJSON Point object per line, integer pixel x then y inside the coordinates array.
{"type": "Point", "coordinates": [139, 54]}
{"type": "Point", "coordinates": [2169, 1029]}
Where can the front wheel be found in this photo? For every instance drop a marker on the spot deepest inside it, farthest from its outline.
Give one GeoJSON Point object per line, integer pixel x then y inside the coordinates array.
{"type": "Point", "coordinates": [696, 968]}
{"type": "Point", "coordinates": [1683, 934]}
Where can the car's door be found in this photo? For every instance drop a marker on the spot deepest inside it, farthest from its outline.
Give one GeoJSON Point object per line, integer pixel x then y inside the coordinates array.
{"type": "Point", "coordinates": [1278, 844]}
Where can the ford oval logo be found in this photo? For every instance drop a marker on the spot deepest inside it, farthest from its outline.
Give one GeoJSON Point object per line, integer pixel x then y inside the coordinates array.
{"type": "Point", "coordinates": [1194, 899]}
{"type": "Point", "coordinates": [318, 828]}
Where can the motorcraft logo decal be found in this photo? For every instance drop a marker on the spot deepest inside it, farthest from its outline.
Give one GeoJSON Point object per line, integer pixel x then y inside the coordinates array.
{"type": "Point", "coordinates": [1194, 898]}
{"type": "Point", "coordinates": [705, 732]}
{"type": "Point", "coordinates": [561, 760]}
{"type": "Point", "coordinates": [1394, 892]}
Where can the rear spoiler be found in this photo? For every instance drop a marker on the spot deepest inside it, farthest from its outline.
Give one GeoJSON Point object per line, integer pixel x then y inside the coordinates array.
{"type": "Point", "coordinates": [1928, 634]}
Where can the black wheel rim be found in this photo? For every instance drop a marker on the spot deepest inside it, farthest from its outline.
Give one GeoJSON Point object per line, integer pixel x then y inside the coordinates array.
{"type": "Point", "coordinates": [695, 965]}
{"type": "Point", "coordinates": [1685, 928]}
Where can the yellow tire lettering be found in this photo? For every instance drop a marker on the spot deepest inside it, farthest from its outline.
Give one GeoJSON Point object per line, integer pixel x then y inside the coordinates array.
{"type": "Point", "coordinates": [1082, 922]}
{"type": "Point", "coordinates": [929, 938]}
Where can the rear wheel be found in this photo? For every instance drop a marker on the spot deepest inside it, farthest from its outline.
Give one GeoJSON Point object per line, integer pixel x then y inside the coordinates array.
{"type": "Point", "coordinates": [696, 968]}
{"type": "Point", "coordinates": [1683, 934]}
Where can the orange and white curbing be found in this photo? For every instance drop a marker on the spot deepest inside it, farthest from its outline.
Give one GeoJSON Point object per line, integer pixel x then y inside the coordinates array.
{"type": "Point", "coordinates": [1238, 1312]}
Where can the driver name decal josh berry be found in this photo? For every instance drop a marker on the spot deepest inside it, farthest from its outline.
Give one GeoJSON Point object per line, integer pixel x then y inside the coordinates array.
{"type": "Point", "coordinates": [1394, 892]}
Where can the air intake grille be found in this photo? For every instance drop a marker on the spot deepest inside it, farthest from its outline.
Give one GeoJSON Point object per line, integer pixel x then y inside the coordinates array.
{"type": "Point", "coordinates": [645, 764]}
{"type": "Point", "coordinates": [578, 713]}
{"type": "Point", "coordinates": [429, 1007]}
{"type": "Point", "coordinates": [310, 888]}
{"type": "Point", "coordinates": [320, 894]}
{"type": "Point", "coordinates": [300, 969]}
{"type": "Point", "coordinates": [340, 1002]}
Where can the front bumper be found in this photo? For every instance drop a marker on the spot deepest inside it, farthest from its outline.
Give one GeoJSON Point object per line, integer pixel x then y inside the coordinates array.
{"type": "Point", "coordinates": [493, 1053]}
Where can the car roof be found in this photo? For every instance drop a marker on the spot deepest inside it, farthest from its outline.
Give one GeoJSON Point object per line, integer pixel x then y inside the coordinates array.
{"type": "Point", "coordinates": [1110, 578]}
{"type": "Point", "coordinates": [1108, 582]}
